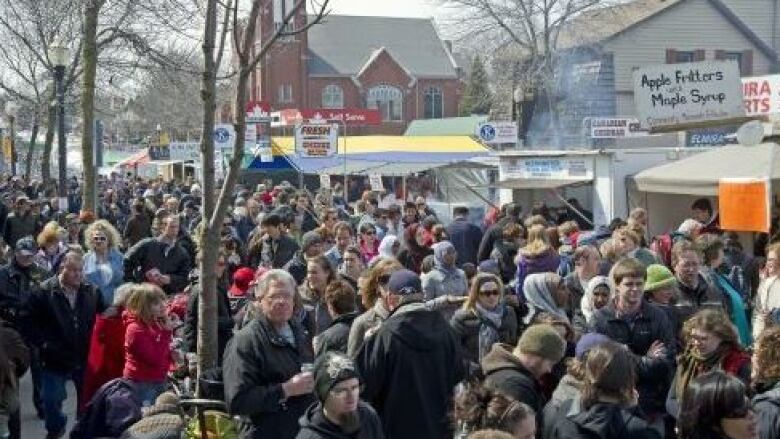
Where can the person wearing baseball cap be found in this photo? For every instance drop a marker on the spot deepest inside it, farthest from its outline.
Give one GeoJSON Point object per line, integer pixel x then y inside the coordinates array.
{"type": "Point", "coordinates": [516, 371]}
{"type": "Point", "coordinates": [339, 412]}
{"type": "Point", "coordinates": [411, 364]}
{"type": "Point", "coordinates": [20, 222]}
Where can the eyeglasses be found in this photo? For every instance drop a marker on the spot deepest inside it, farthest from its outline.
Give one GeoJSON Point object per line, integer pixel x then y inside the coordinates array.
{"type": "Point", "coordinates": [491, 292]}
{"type": "Point", "coordinates": [99, 238]}
{"type": "Point", "coordinates": [343, 392]}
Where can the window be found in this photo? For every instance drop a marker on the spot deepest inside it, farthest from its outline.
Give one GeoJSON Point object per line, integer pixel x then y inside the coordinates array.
{"type": "Point", "coordinates": [332, 97]}
{"type": "Point", "coordinates": [388, 100]}
{"type": "Point", "coordinates": [684, 56]}
{"type": "Point", "coordinates": [433, 103]}
{"type": "Point", "coordinates": [736, 56]}
{"type": "Point", "coordinates": [281, 9]}
{"type": "Point", "coordinates": [285, 94]}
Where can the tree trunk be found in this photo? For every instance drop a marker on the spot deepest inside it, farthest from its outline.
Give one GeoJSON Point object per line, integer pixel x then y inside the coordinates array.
{"type": "Point", "coordinates": [31, 149]}
{"type": "Point", "coordinates": [209, 233]}
{"type": "Point", "coordinates": [51, 123]}
{"type": "Point", "coordinates": [89, 61]}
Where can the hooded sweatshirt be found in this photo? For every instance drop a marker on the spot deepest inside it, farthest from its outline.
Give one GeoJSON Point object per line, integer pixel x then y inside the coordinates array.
{"type": "Point", "coordinates": [147, 350]}
{"type": "Point", "coordinates": [314, 424]}
{"type": "Point", "coordinates": [602, 420]}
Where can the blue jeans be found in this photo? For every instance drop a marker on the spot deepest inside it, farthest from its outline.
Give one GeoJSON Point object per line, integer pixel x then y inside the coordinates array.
{"type": "Point", "coordinates": [148, 391]}
{"type": "Point", "coordinates": [53, 393]}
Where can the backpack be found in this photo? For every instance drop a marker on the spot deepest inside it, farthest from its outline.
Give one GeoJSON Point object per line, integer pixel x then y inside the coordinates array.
{"type": "Point", "coordinates": [661, 245]}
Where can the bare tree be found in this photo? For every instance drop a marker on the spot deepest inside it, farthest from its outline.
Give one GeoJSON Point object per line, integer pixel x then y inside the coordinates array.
{"type": "Point", "coordinates": [244, 35]}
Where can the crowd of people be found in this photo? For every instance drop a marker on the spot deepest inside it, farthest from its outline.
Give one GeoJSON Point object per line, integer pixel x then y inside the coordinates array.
{"type": "Point", "coordinates": [374, 320]}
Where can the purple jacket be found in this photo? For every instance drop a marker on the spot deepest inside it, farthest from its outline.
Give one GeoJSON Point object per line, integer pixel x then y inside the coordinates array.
{"type": "Point", "coordinates": [543, 263]}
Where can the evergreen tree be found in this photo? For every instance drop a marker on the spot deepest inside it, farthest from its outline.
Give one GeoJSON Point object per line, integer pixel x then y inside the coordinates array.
{"type": "Point", "coordinates": [477, 98]}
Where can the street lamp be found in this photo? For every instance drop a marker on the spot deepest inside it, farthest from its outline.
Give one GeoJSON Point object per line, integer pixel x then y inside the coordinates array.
{"type": "Point", "coordinates": [58, 53]}
{"type": "Point", "coordinates": [11, 110]}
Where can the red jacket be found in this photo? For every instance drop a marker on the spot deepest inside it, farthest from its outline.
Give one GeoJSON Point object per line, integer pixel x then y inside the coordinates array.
{"type": "Point", "coordinates": [147, 350]}
{"type": "Point", "coordinates": [106, 358]}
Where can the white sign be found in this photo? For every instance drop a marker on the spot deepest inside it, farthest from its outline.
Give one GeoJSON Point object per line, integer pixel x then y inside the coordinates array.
{"type": "Point", "coordinates": [251, 133]}
{"type": "Point", "coordinates": [325, 181]}
{"type": "Point", "coordinates": [375, 180]}
{"type": "Point", "coordinates": [185, 151]}
{"type": "Point", "coordinates": [548, 168]}
{"type": "Point", "coordinates": [615, 128]}
{"type": "Point", "coordinates": [681, 94]}
{"type": "Point", "coordinates": [316, 139]}
{"type": "Point", "coordinates": [497, 132]}
{"type": "Point", "coordinates": [224, 136]}
{"type": "Point", "coordinates": [761, 95]}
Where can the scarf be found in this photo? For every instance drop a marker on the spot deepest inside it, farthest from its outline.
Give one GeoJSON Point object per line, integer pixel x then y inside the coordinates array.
{"type": "Point", "coordinates": [386, 246]}
{"type": "Point", "coordinates": [539, 295]}
{"type": "Point", "coordinates": [490, 322]}
{"type": "Point", "coordinates": [440, 249]}
{"type": "Point", "coordinates": [691, 364]}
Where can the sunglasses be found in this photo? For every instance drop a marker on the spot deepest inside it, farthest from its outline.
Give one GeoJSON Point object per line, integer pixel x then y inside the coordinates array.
{"type": "Point", "coordinates": [488, 293]}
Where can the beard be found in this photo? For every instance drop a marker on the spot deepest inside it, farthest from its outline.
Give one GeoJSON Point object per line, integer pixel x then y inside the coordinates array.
{"type": "Point", "coordinates": [349, 422]}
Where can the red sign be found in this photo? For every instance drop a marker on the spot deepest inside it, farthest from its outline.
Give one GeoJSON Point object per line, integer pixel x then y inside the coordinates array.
{"type": "Point", "coordinates": [348, 116]}
{"type": "Point", "coordinates": [260, 106]}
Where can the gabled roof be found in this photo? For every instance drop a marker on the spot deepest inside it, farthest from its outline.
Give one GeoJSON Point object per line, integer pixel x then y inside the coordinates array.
{"type": "Point", "coordinates": [341, 44]}
{"type": "Point", "coordinates": [599, 25]}
{"type": "Point", "coordinates": [375, 55]}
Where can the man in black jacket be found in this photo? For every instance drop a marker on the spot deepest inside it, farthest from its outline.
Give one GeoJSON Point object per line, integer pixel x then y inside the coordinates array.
{"type": "Point", "coordinates": [311, 247]}
{"type": "Point", "coordinates": [695, 292]}
{"type": "Point", "coordinates": [496, 231]}
{"type": "Point", "coordinates": [341, 300]}
{"type": "Point", "coordinates": [161, 261]}
{"type": "Point", "coordinates": [265, 382]}
{"type": "Point", "coordinates": [645, 330]}
{"type": "Point", "coordinates": [465, 236]}
{"type": "Point", "coordinates": [276, 247]}
{"type": "Point", "coordinates": [411, 364]}
{"type": "Point", "coordinates": [64, 313]}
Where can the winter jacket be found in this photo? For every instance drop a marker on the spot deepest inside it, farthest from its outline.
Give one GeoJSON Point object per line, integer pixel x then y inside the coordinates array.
{"type": "Point", "coordinates": [147, 350]}
{"type": "Point", "coordinates": [506, 374]}
{"type": "Point", "coordinates": [649, 325]}
{"type": "Point", "coordinates": [114, 408]}
{"type": "Point", "coordinates": [546, 262]}
{"type": "Point", "coordinates": [17, 227]}
{"type": "Point", "coordinates": [691, 300]}
{"type": "Point", "coordinates": [138, 227]}
{"type": "Point", "coordinates": [766, 405]}
{"type": "Point", "coordinates": [466, 238]}
{"type": "Point", "coordinates": [336, 337]}
{"type": "Point", "coordinates": [106, 358]}
{"type": "Point", "coordinates": [257, 361]}
{"type": "Point", "coordinates": [363, 323]}
{"type": "Point", "coordinates": [493, 234]}
{"type": "Point", "coordinates": [438, 284]}
{"type": "Point", "coordinates": [274, 254]}
{"type": "Point", "coordinates": [16, 360]}
{"type": "Point", "coordinates": [62, 333]}
{"type": "Point", "coordinates": [410, 367]}
{"type": "Point", "coordinates": [466, 324]}
{"type": "Point", "coordinates": [171, 260]}
{"type": "Point", "coordinates": [17, 287]}
{"type": "Point", "coordinates": [314, 425]}
{"type": "Point", "coordinates": [316, 309]}
{"type": "Point", "coordinates": [601, 420]}
{"type": "Point", "coordinates": [504, 253]}
{"type": "Point", "coordinates": [225, 321]}
{"type": "Point", "coordinates": [93, 275]}
{"type": "Point", "coordinates": [297, 267]}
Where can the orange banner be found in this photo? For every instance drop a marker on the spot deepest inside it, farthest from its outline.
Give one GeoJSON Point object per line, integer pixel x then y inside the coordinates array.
{"type": "Point", "coordinates": [744, 205]}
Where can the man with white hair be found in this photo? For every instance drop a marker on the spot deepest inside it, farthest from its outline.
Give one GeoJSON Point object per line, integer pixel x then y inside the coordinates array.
{"type": "Point", "coordinates": [266, 383]}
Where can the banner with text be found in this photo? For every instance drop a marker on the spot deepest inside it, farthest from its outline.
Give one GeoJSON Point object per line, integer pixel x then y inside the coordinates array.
{"type": "Point", "coordinates": [316, 139]}
{"type": "Point", "coordinates": [548, 168]}
{"type": "Point", "coordinates": [615, 128]}
{"type": "Point", "coordinates": [761, 95]}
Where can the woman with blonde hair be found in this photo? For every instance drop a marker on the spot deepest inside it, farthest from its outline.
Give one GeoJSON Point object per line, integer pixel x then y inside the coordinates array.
{"type": "Point", "coordinates": [710, 342]}
{"type": "Point", "coordinates": [371, 299]}
{"type": "Point", "coordinates": [484, 318]}
{"type": "Point", "coordinates": [538, 256]}
{"type": "Point", "coordinates": [52, 248]}
{"type": "Point", "coordinates": [103, 262]}
{"type": "Point", "coordinates": [766, 382]}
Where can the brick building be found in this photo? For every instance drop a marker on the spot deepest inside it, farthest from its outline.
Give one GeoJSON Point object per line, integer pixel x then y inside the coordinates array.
{"type": "Point", "coordinates": [399, 66]}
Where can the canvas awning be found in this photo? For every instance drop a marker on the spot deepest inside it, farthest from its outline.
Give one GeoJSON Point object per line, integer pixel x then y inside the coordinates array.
{"type": "Point", "coordinates": [700, 174]}
{"type": "Point", "coordinates": [138, 158]}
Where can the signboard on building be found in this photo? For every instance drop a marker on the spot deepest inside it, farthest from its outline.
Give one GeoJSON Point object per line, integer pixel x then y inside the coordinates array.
{"type": "Point", "coordinates": [615, 128]}
{"type": "Point", "coordinates": [347, 116]}
{"type": "Point", "coordinates": [715, 136]}
{"type": "Point", "coordinates": [257, 112]}
{"type": "Point", "coordinates": [316, 139]}
{"type": "Point", "coordinates": [497, 132]}
{"type": "Point", "coordinates": [185, 151]}
{"type": "Point", "coordinates": [672, 95]}
{"type": "Point", "coordinates": [375, 180]}
{"type": "Point", "coordinates": [325, 181]}
{"type": "Point", "coordinates": [224, 136]}
{"type": "Point", "coordinates": [159, 152]}
{"type": "Point", "coordinates": [548, 168]}
{"type": "Point", "coordinates": [761, 95]}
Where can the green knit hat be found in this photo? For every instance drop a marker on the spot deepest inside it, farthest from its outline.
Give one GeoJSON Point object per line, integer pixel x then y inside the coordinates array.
{"type": "Point", "coordinates": [542, 340]}
{"type": "Point", "coordinates": [658, 276]}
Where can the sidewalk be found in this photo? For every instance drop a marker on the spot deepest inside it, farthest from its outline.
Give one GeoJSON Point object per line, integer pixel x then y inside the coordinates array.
{"type": "Point", "coordinates": [32, 427]}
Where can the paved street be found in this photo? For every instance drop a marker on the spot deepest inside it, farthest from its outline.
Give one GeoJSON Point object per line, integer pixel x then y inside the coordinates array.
{"type": "Point", "coordinates": [32, 427]}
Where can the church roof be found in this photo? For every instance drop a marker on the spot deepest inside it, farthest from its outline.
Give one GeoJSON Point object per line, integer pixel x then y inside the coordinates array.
{"type": "Point", "coordinates": [342, 44]}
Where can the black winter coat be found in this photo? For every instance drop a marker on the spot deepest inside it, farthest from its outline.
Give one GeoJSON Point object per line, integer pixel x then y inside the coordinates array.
{"type": "Point", "coordinates": [466, 325]}
{"type": "Point", "coordinates": [314, 425]}
{"type": "Point", "coordinates": [336, 337]}
{"type": "Point", "coordinates": [465, 237]}
{"type": "Point", "coordinates": [767, 408]}
{"type": "Point", "coordinates": [602, 421]}
{"type": "Point", "coordinates": [17, 287]}
{"type": "Point", "coordinates": [493, 234]}
{"type": "Point", "coordinates": [504, 373]}
{"type": "Point", "coordinates": [653, 374]}
{"type": "Point", "coordinates": [152, 253]}
{"type": "Point", "coordinates": [410, 367]}
{"type": "Point", "coordinates": [275, 255]}
{"type": "Point", "coordinates": [257, 361]}
{"type": "Point", "coordinates": [297, 267]}
{"type": "Point", "coordinates": [225, 321]}
{"type": "Point", "coordinates": [62, 333]}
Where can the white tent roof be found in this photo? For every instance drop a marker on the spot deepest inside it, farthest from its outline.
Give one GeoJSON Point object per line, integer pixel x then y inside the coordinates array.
{"type": "Point", "coordinates": [701, 173]}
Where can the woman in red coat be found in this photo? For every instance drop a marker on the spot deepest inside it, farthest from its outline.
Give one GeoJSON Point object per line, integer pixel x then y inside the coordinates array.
{"type": "Point", "coordinates": [106, 358]}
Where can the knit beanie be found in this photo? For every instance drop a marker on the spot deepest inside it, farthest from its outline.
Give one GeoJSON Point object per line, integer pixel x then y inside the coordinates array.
{"type": "Point", "coordinates": [658, 276]}
{"type": "Point", "coordinates": [330, 369]}
{"type": "Point", "coordinates": [542, 340]}
{"type": "Point", "coordinates": [309, 239]}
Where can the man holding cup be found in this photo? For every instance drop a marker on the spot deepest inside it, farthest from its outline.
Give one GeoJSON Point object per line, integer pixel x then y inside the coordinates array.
{"type": "Point", "coordinates": [267, 365]}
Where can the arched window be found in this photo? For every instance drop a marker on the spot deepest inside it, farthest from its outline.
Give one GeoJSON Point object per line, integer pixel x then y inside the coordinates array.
{"type": "Point", "coordinates": [433, 103]}
{"type": "Point", "coordinates": [332, 97]}
{"type": "Point", "coordinates": [388, 100]}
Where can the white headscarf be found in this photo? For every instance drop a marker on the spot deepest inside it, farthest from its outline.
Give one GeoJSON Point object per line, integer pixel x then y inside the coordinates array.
{"type": "Point", "coordinates": [588, 310]}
